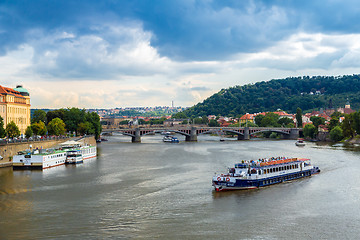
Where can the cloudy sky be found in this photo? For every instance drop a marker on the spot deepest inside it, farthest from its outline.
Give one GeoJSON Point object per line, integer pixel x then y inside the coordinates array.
{"type": "Point", "coordinates": [119, 53]}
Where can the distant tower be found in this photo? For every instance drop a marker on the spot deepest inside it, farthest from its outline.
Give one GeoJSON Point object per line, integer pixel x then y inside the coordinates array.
{"type": "Point", "coordinates": [172, 104]}
{"type": "Point", "coordinates": [330, 104]}
{"type": "Point", "coordinates": [347, 105]}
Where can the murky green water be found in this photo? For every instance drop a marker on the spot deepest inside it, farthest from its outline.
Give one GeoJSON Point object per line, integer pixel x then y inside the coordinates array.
{"type": "Point", "coordinates": [155, 190]}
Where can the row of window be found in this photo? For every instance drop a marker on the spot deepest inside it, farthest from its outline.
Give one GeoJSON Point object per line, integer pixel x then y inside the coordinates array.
{"type": "Point", "coordinates": [58, 155]}
{"type": "Point", "coordinates": [18, 110]}
{"type": "Point", "coordinates": [277, 169]}
{"type": "Point", "coordinates": [285, 178]}
{"type": "Point", "coordinates": [20, 120]}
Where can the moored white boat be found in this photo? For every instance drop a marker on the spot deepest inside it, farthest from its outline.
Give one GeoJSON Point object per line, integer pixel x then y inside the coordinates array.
{"type": "Point", "coordinates": [74, 157]}
{"type": "Point", "coordinates": [39, 159]}
{"type": "Point", "coordinates": [263, 172]}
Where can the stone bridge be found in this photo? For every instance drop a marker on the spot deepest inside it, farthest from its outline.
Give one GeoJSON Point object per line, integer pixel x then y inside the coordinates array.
{"type": "Point", "coordinates": [191, 133]}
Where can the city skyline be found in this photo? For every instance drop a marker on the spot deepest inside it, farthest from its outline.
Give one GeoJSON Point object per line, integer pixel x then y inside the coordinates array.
{"type": "Point", "coordinates": [108, 54]}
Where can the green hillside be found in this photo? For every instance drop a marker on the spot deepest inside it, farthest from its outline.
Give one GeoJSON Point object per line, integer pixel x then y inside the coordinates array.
{"type": "Point", "coordinates": [287, 94]}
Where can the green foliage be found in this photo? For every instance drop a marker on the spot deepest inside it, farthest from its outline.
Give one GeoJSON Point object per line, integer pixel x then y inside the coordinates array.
{"type": "Point", "coordinates": [179, 115]}
{"type": "Point", "coordinates": [124, 122]}
{"type": "Point", "coordinates": [317, 121]}
{"type": "Point", "coordinates": [298, 117]}
{"type": "Point", "coordinates": [347, 125]}
{"type": "Point", "coordinates": [285, 122]}
{"type": "Point", "coordinates": [28, 132]}
{"type": "Point", "coordinates": [336, 134]}
{"type": "Point", "coordinates": [270, 120]}
{"type": "Point", "coordinates": [38, 115]}
{"type": "Point", "coordinates": [356, 122]}
{"type": "Point", "coordinates": [334, 121]}
{"type": "Point", "coordinates": [12, 130]}
{"type": "Point", "coordinates": [205, 120]}
{"type": "Point", "coordinates": [59, 113]}
{"type": "Point", "coordinates": [72, 117]}
{"type": "Point", "coordinates": [286, 94]}
{"type": "Point", "coordinates": [214, 123]}
{"type": "Point", "coordinates": [310, 131]}
{"type": "Point", "coordinates": [2, 129]}
{"type": "Point", "coordinates": [274, 135]}
{"type": "Point", "coordinates": [258, 119]}
{"type": "Point", "coordinates": [56, 127]}
{"type": "Point", "coordinates": [157, 121]}
{"type": "Point", "coordinates": [39, 128]}
{"type": "Point", "coordinates": [84, 128]}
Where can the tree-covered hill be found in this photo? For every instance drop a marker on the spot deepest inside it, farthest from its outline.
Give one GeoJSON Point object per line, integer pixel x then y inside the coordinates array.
{"type": "Point", "coordinates": [288, 94]}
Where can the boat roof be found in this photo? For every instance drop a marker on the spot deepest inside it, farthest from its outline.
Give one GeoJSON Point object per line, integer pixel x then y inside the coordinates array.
{"type": "Point", "coordinates": [270, 163]}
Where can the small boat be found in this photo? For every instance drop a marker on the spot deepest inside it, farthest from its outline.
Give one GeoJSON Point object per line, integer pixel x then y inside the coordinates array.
{"type": "Point", "coordinates": [263, 172]}
{"type": "Point", "coordinates": [170, 139]}
{"type": "Point", "coordinates": [166, 133]}
{"type": "Point", "coordinates": [300, 142]}
{"type": "Point", "coordinates": [74, 157]}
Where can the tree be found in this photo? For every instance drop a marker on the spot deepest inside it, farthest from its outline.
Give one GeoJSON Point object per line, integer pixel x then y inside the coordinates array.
{"type": "Point", "coordinates": [285, 121]}
{"type": "Point", "coordinates": [317, 121]}
{"type": "Point", "coordinates": [56, 127]}
{"type": "Point", "coordinates": [213, 123]}
{"type": "Point", "coordinates": [2, 129]}
{"type": "Point", "coordinates": [179, 115]}
{"type": "Point", "coordinates": [347, 125]}
{"type": "Point", "coordinates": [39, 115]}
{"type": "Point", "coordinates": [270, 120]}
{"type": "Point", "coordinates": [84, 128]}
{"type": "Point", "coordinates": [258, 119]}
{"type": "Point", "coordinates": [12, 130]}
{"type": "Point", "coordinates": [39, 128]}
{"type": "Point", "coordinates": [299, 117]}
{"type": "Point", "coordinates": [59, 113]}
{"type": "Point", "coordinates": [336, 134]}
{"type": "Point", "coordinates": [28, 132]}
{"type": "Point", "coordinates": [96, 128]}
{"type": "Point", "coordinates": [334, 121]}
{"type": "Point", "coordinates": [309, 131]}
{"type": "Point", "coordinates": [205, 119]}
{"type": "Point", "coordinates": [356, 122]}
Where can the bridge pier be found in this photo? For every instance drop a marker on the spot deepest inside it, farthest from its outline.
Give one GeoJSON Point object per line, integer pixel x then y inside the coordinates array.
{"type": "Point", "coordinates": [246, 133]}
{"type": "Point", "coordinates": [193, 135]}
{"type": "Point", "coordinates": [137, 137]}
{"type": "Point", "coordinates": [294, 133]}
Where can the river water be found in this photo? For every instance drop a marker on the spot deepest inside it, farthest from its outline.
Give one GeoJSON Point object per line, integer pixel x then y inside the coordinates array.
{"type": "Point", "coordinates": [156, 190]}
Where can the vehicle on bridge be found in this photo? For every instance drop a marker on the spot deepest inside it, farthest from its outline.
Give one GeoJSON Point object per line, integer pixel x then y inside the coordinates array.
{"type": "Point", "coordinates": [263, 172]}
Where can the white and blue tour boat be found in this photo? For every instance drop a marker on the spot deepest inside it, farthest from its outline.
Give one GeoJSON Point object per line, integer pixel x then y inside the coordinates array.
{"type": "Point", "coordinates": [263, 172]}
{"type": "Point", "coordinates": [170, 139]}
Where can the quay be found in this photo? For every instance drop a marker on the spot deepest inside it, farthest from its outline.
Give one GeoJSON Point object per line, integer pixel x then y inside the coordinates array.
{"type": "Point", "coordinates": [191, 133]}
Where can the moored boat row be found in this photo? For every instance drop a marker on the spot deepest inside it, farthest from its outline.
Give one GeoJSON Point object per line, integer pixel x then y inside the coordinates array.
{"type": "Point", "coordinates": [46, 158]}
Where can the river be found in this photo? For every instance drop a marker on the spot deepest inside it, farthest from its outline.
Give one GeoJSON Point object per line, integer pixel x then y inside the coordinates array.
{"type": "Point", "coordinates": [156, 190]}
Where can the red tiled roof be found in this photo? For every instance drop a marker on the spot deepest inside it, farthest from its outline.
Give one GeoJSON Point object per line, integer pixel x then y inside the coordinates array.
{"type": "Point", "coordinates": [10, 91]}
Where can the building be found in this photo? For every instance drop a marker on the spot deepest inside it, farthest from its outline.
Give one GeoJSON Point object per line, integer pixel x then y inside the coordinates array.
{"type": "Point", "coordinates": [247, 118]}
{"type": "Point", "coordinates": [172, 122]}
{"type": "Point", "coordinates": [15, 106]}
